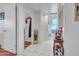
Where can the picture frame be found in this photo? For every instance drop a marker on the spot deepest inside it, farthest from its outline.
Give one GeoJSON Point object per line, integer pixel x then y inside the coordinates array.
{"type": "Point", "coordinates": [76, 11]}
{"type": "Point", "coordinates": [1, 15]}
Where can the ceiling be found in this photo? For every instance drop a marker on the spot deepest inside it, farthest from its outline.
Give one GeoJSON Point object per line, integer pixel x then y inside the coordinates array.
{"type": "Point", "coordinates": [46, 7]}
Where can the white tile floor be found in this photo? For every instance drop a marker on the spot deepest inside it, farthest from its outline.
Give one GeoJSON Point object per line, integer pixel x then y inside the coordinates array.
{"type": "Point", "coordinates": [43, 49]}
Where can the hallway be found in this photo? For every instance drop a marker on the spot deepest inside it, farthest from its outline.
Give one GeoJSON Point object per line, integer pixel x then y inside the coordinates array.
{"type": "Point", "coordinates": [40, 18]}
{"type": "Point", "coordinates": [44, 49]}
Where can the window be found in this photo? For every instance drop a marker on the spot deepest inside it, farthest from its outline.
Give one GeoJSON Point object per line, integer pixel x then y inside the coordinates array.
{"type": "Point", "coordinates": [54, 24]}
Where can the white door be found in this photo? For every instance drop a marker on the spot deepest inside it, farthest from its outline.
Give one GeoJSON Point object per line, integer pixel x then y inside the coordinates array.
{"type": "Point", "coordinates": [9, 27]}
{"type": "Point", "coordinates": [1, 32]}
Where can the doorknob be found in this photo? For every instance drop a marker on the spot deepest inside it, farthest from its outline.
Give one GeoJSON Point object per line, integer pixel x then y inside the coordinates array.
{"type": "Point", "coordinates": [4, 30]}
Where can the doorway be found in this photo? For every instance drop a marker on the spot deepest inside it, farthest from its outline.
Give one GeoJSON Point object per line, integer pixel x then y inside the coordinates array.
{"type": "Point", "coordinates": [27, 32]}
{"type": "Point", "coordinates": [56, 28]}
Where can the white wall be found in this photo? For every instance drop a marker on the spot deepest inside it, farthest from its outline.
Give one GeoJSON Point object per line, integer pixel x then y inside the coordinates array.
{"type": "Point", "coordinates": [9, 42]}
{"type": "Point", "coordinates": [20, 29]}
{"type": "Point", "coordinates": [44, 27]}
{"type": "Point", "coordinates": [71, 31]}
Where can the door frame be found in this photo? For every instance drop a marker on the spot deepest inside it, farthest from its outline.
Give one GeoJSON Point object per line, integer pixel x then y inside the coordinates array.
{"type": "Point", "coordinates": [16, 26]}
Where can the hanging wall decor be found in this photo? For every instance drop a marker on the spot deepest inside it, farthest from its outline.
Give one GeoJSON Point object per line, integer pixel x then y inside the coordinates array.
{"type": "Point", "coordinates": [1, 15]}
{"type": "Point", "coordinates": [77, 12]}
{"type": "Point", "coordinates": [29, 19]}
{"type": "Point", "coordinates": [35, 36]}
